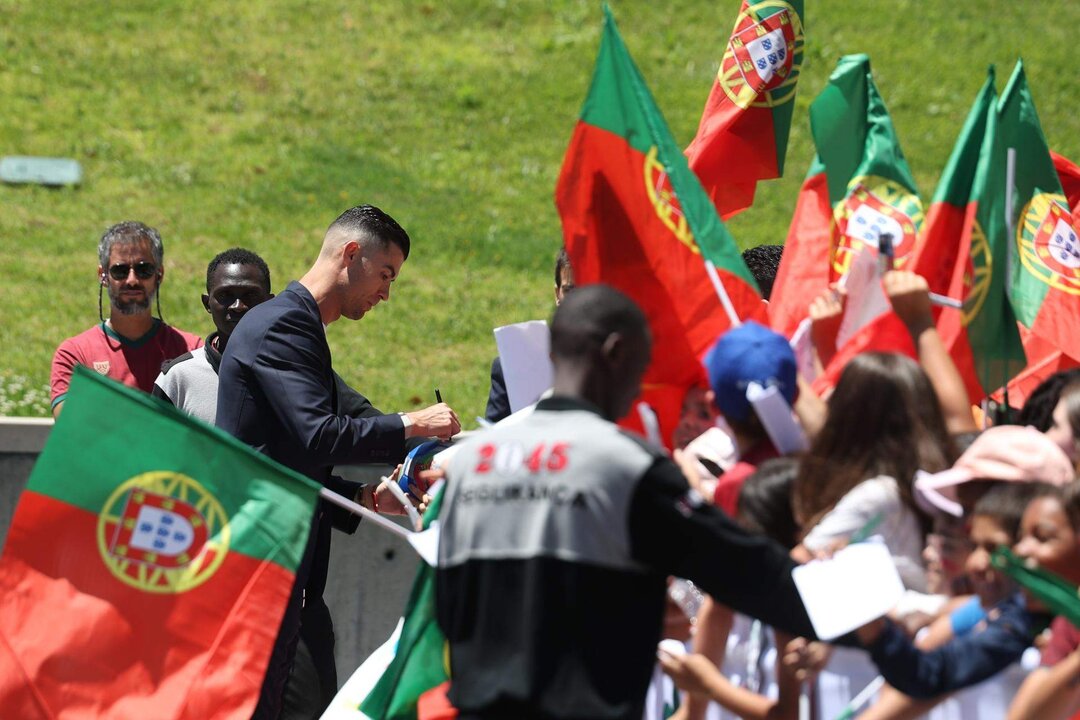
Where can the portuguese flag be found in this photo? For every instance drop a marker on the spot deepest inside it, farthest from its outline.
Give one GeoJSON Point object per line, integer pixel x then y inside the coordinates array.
{"type": "Point", "coordinates": [634, 216]}
{"type": "Point", "coordinates": [1069, 175]}
{"type": "Point", "coordinates": [963, 254]}
{"type": "Point", "coordinates": [420, 661]}
{"type": "Point", "coordinates": [858, 187]}
{"type": "Point", "coordinates": [148, 565]}
{"type": "Point", "coordinates": [743, 134]}
{"type": "Point", "coordinates": [1044, 357]}
{"type": "Point", "coordinates": [1045, 278]}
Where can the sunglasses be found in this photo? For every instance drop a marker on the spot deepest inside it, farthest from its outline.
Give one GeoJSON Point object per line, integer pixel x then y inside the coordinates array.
{"type": "Point", "coordinates": [143, 270]}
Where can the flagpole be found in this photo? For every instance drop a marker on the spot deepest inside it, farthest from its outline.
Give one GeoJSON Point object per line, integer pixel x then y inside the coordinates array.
{"type": "Point", "coordinates": [721, 293]}
{"type": "Point", "coordinates": [1010, 180]}
{"type": "Point", "coordinates": [650, 423]}
{"type": "Point", "coordinates": [358, 509]}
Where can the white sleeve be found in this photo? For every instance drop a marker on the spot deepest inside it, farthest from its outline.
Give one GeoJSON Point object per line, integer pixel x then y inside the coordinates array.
{"type": "Point", "coordinates": [876, 496]}
{"type": "Point", "coordinates": [166, 386]}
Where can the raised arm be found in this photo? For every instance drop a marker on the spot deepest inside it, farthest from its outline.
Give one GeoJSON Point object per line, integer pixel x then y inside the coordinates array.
{"type": "Point", "coordinates": [909, 295]}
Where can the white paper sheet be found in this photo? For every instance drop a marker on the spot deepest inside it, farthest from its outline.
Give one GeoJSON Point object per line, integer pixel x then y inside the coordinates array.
{"type": "Point", "coordinates": [865, 298]}
{"type": "Point", "coordinates": [775, 416]}
{"type": "Point", "coordinates": [524, 349]}
{"type": "Point", "coordinates": [426, 544]}
{"type": "Point", "coordinates": [857, 585]}
{"type": "Point", "coordinates": [802, 344]}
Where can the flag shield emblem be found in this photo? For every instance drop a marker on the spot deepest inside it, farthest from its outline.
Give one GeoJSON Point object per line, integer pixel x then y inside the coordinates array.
{"type": "Point", "coordinates": [101, 367]}
{"type": "Point", "coordinates": [978, 273]}
{"type": "Point", "coordinates": [1048, 243]}
{"type": "Point", "coordinates": [762, 60]}
{"type": "Point", "coordinates": [665, 202]}
{"type": "Point", "coordinates": [873, 207]}
{"type": "Point", "coordinates": [162, 532]}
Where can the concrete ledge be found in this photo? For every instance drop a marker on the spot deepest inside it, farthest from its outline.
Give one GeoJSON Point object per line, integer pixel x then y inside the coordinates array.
{"type": "Point", "coordinates": [24, 435]}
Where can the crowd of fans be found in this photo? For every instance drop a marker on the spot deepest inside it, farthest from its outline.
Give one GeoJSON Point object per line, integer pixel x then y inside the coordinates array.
{"type": "Point", "coordinates": [893, 450]}
{"type": "Point", "coordinates": [966, 641]}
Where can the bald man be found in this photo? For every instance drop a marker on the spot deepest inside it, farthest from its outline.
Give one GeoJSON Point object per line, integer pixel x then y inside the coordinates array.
{"type": "Point", "coordinates": [558, 534]}
{"type": "Point", "coordinates": [277, 393]}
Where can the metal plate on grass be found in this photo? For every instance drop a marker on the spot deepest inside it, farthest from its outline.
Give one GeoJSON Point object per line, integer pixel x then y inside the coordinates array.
{"type": "Point", "coordinates": [40, 170]}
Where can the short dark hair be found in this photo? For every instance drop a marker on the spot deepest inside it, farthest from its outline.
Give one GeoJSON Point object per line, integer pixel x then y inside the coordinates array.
{"type": "Point", "coordinates": [562, 260]}
{"type": "Point", "coordinates": [763, 262]}
{"type": "Point", "coordinates": [1005, 502]}
{"type": "Point", "coordinates": [373, 222]}
{"type": "Point", "coordinates": [130, 231]}
{"type": "Point", "coordinates": [1067, 495]}
{"type": "Point", "coordinates": [588, 315]}
{"type": "Point", "coordinates": [238, 256]}
{"type": "Point", "coordinates": [1038, 410]}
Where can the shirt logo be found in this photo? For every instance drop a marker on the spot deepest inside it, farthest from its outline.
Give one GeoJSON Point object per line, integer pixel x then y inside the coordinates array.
{"type": "Point", "coordinates": [101, 367]}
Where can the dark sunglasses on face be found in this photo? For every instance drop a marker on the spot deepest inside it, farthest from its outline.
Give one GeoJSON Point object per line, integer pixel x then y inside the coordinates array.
{"type": "Point", "coordinates": [143, 270]}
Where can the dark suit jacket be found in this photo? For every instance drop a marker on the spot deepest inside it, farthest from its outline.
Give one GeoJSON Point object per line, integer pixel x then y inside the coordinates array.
{"type": "Point", "coordinates": [277, 391]}
{"type": "Point", "coordinates": [498, 404]}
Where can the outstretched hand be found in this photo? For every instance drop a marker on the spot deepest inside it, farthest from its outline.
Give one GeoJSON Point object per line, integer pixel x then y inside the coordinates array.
{"type": "Point", "coordinates": [386, 500]}
{"type": "Point", "coordinates": [692, 672]}
{"type": "Point", "coordinates": [826, 314]}
{"type": "Point", "coordinates": [803, 659]}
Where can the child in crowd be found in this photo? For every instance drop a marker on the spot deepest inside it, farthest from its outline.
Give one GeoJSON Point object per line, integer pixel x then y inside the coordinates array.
{"type": "Point", "coordinates": [884, 423]}
{"type": "Point", "coordinates": [753, 681]}
{"type": "Point", "coordinates": [1050, 539]}
{"type": "Point", "coordinates": [861, 465]}
{"type": "Point", "coordinates": [1065, 422]}
{"type": "Point", "coordinates": [1039, 406]}
{"type": "Point", "coordinates": [964, 656]}
{"type": "Point", "coordinates": [742, 355]}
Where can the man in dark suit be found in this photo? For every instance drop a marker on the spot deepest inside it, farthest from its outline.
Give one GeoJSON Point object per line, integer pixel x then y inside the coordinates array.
{"type": "Point", "coordinates": [277, 393]}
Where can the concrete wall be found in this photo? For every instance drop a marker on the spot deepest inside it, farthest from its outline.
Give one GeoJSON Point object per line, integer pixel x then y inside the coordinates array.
{"type": "Point", "coordinates": [370, 572]}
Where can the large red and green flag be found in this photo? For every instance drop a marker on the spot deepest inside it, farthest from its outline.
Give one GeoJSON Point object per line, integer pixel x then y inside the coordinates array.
{"type": "Point", "coordinates": [858, 188]}
{"type": "Point", "coordinates": [1069, 175]}
{"type": "Point", "coordinates": [148, 565]}
{"type": "Point", "coordinates": [1045, 271]}
{"type": "Point", "coordinates": [963, 254]}
{"type": "Point", "coordinates": [743, 134]}
{"type": "Point", "coordinates": [421, 659]}
{"type": "Point", "coordinates": [635, 216]}
{"type": "Point", "coordinates": [1044, 357]}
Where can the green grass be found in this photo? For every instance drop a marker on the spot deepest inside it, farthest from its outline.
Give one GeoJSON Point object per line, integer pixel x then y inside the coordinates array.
{"type": "Point", "coordinates": [255, 124]}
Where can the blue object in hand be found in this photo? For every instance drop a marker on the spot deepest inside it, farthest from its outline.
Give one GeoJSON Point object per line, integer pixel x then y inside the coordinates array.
{"type": "Point", "coordinates": [419, 458]}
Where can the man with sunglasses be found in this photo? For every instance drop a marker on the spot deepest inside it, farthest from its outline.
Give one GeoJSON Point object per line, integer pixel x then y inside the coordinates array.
{"type": "Point", "coordinates": [131, 344]}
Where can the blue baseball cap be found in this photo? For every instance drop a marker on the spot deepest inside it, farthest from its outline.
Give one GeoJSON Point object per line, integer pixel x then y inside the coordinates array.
{"type": "Point", "coordinates": [746, 354]}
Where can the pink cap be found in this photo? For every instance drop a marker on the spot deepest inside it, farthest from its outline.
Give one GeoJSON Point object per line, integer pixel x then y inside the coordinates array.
{"type": "Point", "coordinates": [1006, 452]}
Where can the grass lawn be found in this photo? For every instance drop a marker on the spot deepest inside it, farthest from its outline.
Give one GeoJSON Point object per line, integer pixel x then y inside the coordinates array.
{"type": "Point", "coordinates": [255, 124]}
